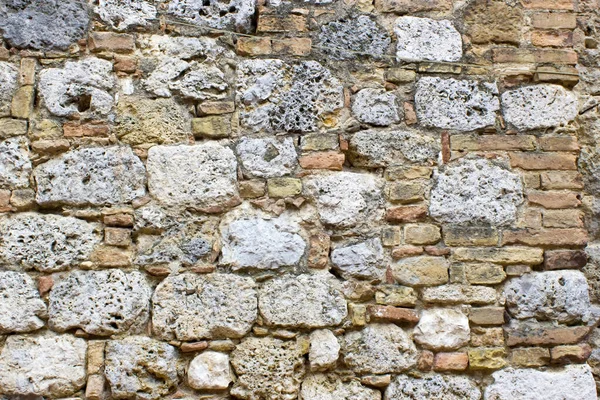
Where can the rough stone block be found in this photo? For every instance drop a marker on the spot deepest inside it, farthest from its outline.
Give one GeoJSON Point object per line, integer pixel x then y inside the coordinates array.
{"type": "Point", "coordinates": [362, 260]}
{"type": "Point", "coordinates": [442, 329]}
{"type": "Point", "coordinates": [268, 157]}
{"type": "Point", "coordinates": [21, 308]}
{"type": "Point", "coordinates": [425, 39]}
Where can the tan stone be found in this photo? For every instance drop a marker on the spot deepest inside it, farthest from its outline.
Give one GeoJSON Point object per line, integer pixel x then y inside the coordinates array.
{"type": "Point", "coordinates": [284, 187]}
{"type": "Point", "coordinates": [50, 146]}
{"type": "Point", "coordinates": [425, 361]}
{"type": "Point", "coordinates": [514, 55]}
{"type": "Point", "coordinates": [213, 126]}
{"type": "Point", "coordinates": [12, 127]}
{"type": "Point", "coordinates": [391, 236]}
{"type": "Point", "coordinates": [543, 20]}
{"type": "Point", "coordinates": [458, 361]}
{"type": "Point", "coordinates": [546, 237]}
{"type": "Point", "coordinates": [357, 314]}
{"type": "Point", "coordinates": [112, 42]}
{"type": "Point", "coordinates": [541, 38]}
{"type": "Point", "coordinates": [318, 252]}
{"type": "Point", "coordinates": [216, 107]}
{"type": "Point", "coordinates": [561, 180]}
{"type": "Point", "coordinates": [487, 358]}
{"type": "Point", "coordinates": [412, 6]}
{"type": "Point", "coordinates": [119, 219]}
{"type": "Point", "coordinates": [493, 21]}
{"type": "Point", "coordinates": [22, 199]}
{"type": "Point", "coordinates": [406, 213]}
{"type": "Point", "coordinates": [95, 356]}
{"type": "Point", "coordinates": [252, 189]}
{"type": "Point", "coordinates": [548, 4]}
{"type": "Point", "coordinates": [379, 381]}
{"type": "Point", "coordinates": [537, 161]}
{"type": "Point", "coordinates": [564, 259]}
{"type": "Point", "coordinates": [554, 199]}
{"type": "Point", "coordinates": [319, 142]}
{"type": "Point", "coordinates": [396, 295]}
{"type": "Point", "coordinates": [292, 46]}
{"type": "Point", "coordinates": [331, 160]}
{"type": "Point", "coordinates": [502, 256]}
{"type": "Point", "coordinates": [192, 347]}
{"type": "Point", "coordinates": [487, 337]}
{"type": "Point", "coordinates": [455, 235]}
{"type": "Point", "coordinates": [421, 271]}
{"type": "Point", "coordinates": [487, 315]}
{"type": "Point", "coordinates": [281, 23]}
{"type": "Point", "coordinates": [253, 46]}
{"type": "Point", "coordinates": [562, 219]}
{"type": "Point", "coordinates": [27, 71]}
{"type": "Point", "coordinates": [570, 354]}
{"type": "Point", "coordinates": [125, 64]}
{"type": "Point", "coordinates": [530, 356]}
{"type": "Point", "coordinates": [405, 192]}
{"type": "Point", "coordinates": [416, 172]}
{"type": "Point", "coordinates": [111, 257]}
{"type": "Point", "coordinates": [492, 142]}
{"type": "Point", "coordinates": [120, 237]}
{"type": "Point", "coordinates": [22, 102]}
{"type": "Point", "coordinates": [484, 274]}
{"type": "Point", "coordinates": [94, 389]}
{"type": "Point", "coordinates": [421, 234]}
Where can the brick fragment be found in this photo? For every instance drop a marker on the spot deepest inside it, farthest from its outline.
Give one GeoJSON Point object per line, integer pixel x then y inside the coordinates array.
{"type": "Point", "coordinates": [120, 237]}
{"type": "Point", "coordinates": [537, 161]}
{"type": "Point", "coordinates": [570, 354]}
{"type": "Point", "coordinates": [75, 129]}
{"type": "Point", "coordinates": [487, 315]}
{"type": "Point", "coordinates": [543, 20]}
{"type": "Point", "coordinates": [562, 219]}
{"type": "Point", "coordinates": [561, 180]}
{"type": "Point", "coordinates": [552, 38]}
{"type": "Point", "coordinates": [113, 42]}
{"type": "Point", "coordinates": [425, 361]}
{"type": "Point", "coordinates": [392, 314]}
{"type": "Point", "coordinates": [458, 361]}
{"type": "Point", "coordinates": [253, 46]}
{"type": "Point", "coordinates": [492, 142]}
{"type": "Point", "coordinates": [538, 334]}
{"type": "Point", "coordinates": [406, 213]}
{"type": "Point", "coordinates": [554, 200]}
{"type": "Point", "coordinates": [564, 259]}
{"type": "Point", "coordinates": [120, 219]}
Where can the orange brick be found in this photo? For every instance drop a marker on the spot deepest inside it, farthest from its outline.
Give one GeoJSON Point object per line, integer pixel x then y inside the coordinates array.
{"type": "Point", "coordinates": [546, 237]}
{"type": "Point", "coordinates": [75, 129]}
{"type": "Point", "coordinates": [513, 55]}
{"type": "Point", "coordinates": [554, 21]}
{"type": "Point", "coordinates": [255, 46]}
{"type": "Point", "coordinates": [553, 199]}
{"type": "Point", "coordinates": [425, 362]}
{"type": "Point", "coordinates": [450, 361]}
{"type": "Point", "coordinates": [406, 251]}
{"type": "Point", "coordinates": [331, 160]}
{"type": "Point", "coordinates": [392, 314]}
{"type": "Point", "coordinates": [559, 143]}
{"type": "Point", "coordinates": [121, 219]}
{"type": "Point", "coordinates": [537, 161]}
{"type": "Point", "coordinates": [549, 4]}
{"type": "Point", "coordinates": [552, 38]}
{"type": "Point", "coordinates": [293, 46]}
{"type": "Point", "coordinates": [113, 42]}
{"type": "Point", "coordinates": [406, 213]}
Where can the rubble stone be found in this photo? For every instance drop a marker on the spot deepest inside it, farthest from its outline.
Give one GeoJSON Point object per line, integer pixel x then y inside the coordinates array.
{"type": "Point", "coordinates": [442, 329]}
{"type": "Point", "coordinates": [421, 39]}
{"type": "Point", "coordinates": [21, 308]}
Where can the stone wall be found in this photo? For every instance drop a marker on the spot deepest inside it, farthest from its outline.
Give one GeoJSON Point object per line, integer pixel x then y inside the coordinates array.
{"type": "Point", "coordinates": [329, 200]}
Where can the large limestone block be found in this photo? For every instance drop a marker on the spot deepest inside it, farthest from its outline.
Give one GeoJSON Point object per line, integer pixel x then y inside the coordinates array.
{"type": "Point", "coordinates": [475, 191]}
{"type": "Point", "coordinates": [432, 387]}
{"type": "Point", "coordinates": [376, 107]}
{"type": "Point", "coordinates": [379, 349]}
{"type": "Point", "coordinates": [303, 301]}
{"type": "Point", "coordinates": [267, 157]}
{"type": "Point", "coordinates": [353, 38]}
{"type": "Point", "coordinates": [267, 368]}
{"type": "Point", "coordinates": [442, 329]}
{"type": "Point", "coordinates": [100, 302]}
{"type": "Point", "coordinates": [91, 176]}
{"type": "Point", "coordinates": [9, 83]}
{"type": "Point", "coordinates": [425, 39]}
{"type": "Point", "coordinates": [140, 368]}
{"type": "Point", "coordinates": [362, 260]}
{"type": "Point", "coordinates": [210, 371]}
{"type": "Point", "coordinates": [462, 105]}
{"type": "Point", "coordinates": [120, 15]}
{"type": "Point", "coordinates": [323, 387]}
{"type": "Point", "coordinates": [46, 365]}
{"type": "Point", "coordinates": [21, 307]}
{"type": "Point", "coordinates": [202, 177]}
{"type": "Point", "coordinates": [15, 165]}
{"type": "Point", "coordinates": [193, 307]}
{"type": "Point", "coordinates": [236, 14]}
{"type": "Point", "coordinates": [45, 242]}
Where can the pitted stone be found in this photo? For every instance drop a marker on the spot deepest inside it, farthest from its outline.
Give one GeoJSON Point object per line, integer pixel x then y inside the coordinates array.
{"type": "Point", "coordinates": [182, 47]}
{"type": "Point", "coordinates": [425, 39]}
{"type": "Point", "coordinates": [354, 38]}
{"type": "Point", "coordinates": [122, 14]}
{"type": "Point", "coordinates": [442, 329]}
{"type": "Point", "coordinates": [21, 307]}
{"type": "Point", "coordinates": [362, 260]}
{"type": "Point", "coordinates": [324, 350]}
{"type": "Point", "coordinates": [376, 107]}
{"type": "Point", "coordinates": [15, 165]}
{"type": "Point", "coordinates": [324, 387]}
{"type": "Point", "coordinates": [9, 84]}
{"type": "Point", "coordinates": [268, 157]}
{"type": "Point", "coordinates": [222, 15]}
{"type": "Point", "coordinates": [432, 387]}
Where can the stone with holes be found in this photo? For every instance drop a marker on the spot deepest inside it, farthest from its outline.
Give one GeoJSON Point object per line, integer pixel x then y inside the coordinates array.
{"type": "Point", "coordinates": [21, 308]}
{"type": "Point", "coordinates": [229, 14]}
{"type": "Point", "coordinates": [324, 387]}
{"type": "Point", "coordinates": [15, 165]}
{"type": "Point", "coordinates": [376, 107]}
{"type": "Point", "coordinates": [425, 39]}
{"type": "Point", "coordinates": [120, 15]}
{"type": "Point", "coordinates": [432, 387]}
{"type": "Point", "coordinates": [354, 38]}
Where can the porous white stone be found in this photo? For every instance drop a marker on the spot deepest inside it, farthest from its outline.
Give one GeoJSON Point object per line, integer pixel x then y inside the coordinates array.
{"type": "Point", "coordinates": [46, 365]}
{"type": "Point", "coordinates": [193, 307]}
{"type": "Point", "coordinates": [141, 368]}
{"type": "Point", "coordinates": [121, 14]}
{"type": "Point", "coordinates": [183, 47]}
{"type": "Point", "coordinates": [572, 382]}
{"type": "Point", "coordinates": [45, 242]}
{"type": "Point", "coordinates": [475, 191]}
{"type": "Point", "coordinates": [91, 176]}
{"type": "Point", "coordinates": [362, 260]}
{"type": "Point", "coordinates": [215, 14]}
{"type": "Point", "coordinates": [21, 307]}
{"type": "Point", "coordinates": [9, 83]}
{"type": "Point", "coordinates": [303, 301]}
{"type": "Point", "coordinates": [209, 371]}
{"type": "Point", "coordinates": [346, 199]}
{"type": "Point", "coordinates": [267, 368]}
{"type": "Point", "coordinates": [80, 87]}
{"type": "Point", "coordinates": [551, 295]}
{"type": "Point", "coordinates": [15, 165]}
{"type": "Point", "coordinates": [100, 302]}
{"type": "Point", "coordinates": [323, 387]}
{"type": "Point", "coordinates": [462, 105]}
{"type": "Point", "coordinates": [442, 329]}
{"type": "Point", "coordinates": [432, 387]}
{"type": "Point", "coordinates": [379, 349]}
{"type": "Point", "coordinates": [539, 106]}
{"type": "Point", "coordinates": [201, 177]}
{"type": "Point", "coordinates": [267, 157]}
{"type": "Point", "coordinates": [353, 38]}
{"type": "Point", "coordinates": [425, 39]}
{"type": "Point", "coordinates": [376, 107]}
{"type": "Point", "coordinates": [324, 350]}
{"type": "Point", "coordinates": [166, 71]}
{"type": "Point", "coordinates": [372, 148]}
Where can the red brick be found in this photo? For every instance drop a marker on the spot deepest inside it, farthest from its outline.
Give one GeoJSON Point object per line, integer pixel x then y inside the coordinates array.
{"type": "Point", "coordinates": [331, 160]}
{"type": "Point", "coordinates": [554, 199]}
{"type": "Point", "coordinates": [391, 314]}
{"type": "Point", "coordinates": [564, 259]}
{"type": "Point", "coordinates": [543, 20]}
{"type": "Point", "coordinates": [406, 213]}
{"type": "Point", "coordinates": [406, 251]}
{"type": "Point", "coordinates": [451, 361]}
{"type": "Point", "coordinates": [546, 237]}
{"type": "Point", "coordinates": [113, 42]}
{"type": "Point", "coordinates": [538, 161]}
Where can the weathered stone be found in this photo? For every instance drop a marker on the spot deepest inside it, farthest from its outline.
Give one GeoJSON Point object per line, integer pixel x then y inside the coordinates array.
{"type": "Point", "coordinates": [12, 127]}
{"type": "Point", "coordinates": [421, 271]}
{"type": "Point", "coordinates": [456, 294]}
{"type": "Point", "coordinates": [353, 38]}
{"type": "Point", "coordinates": [376, 107]}
{"type": "Point", "coordinates": [44, 25]}
{"type": "Point", "coordinates": [484, 274]}
{"type": "Point", "coordinates": [79, 88]}
{"type": "Point", "coordinates": [15, 165]}
{"type": "Point", "coordinates": [379, 349]}
{"type": "Point", "coordinates": [21, 307]}
{"type": "Point", "coordinates": [421, 39]}
{"type": "Point", "coordinates": [184, 307]}
{"type": "Point", "coordinates": [346, 199]}
{"type": "Point", "coordinates": [457, 361]}
{"type": "Point", "coordinates": [573, 382]}
{"type": "Point", "coordinates": [120, 15]}
{"type": "Point", "coordinates": [268, 157]}
{"type": "Point", "coordinates": [503, 256]}
{"type": "Point", "coordinates": [362, 260]}
{"type": "Point", "coordinates": [530, 356]}
{"type": "Point", "coordinates": [48, 365]}
{"type": "Point", "coordinates": [307, 301]}
{"type": "Point", "coordinates": [323, 387]}
{"type": "Point", "coordinates": [487, 358]}
{"type": "Point", "coordinates": [530, 332]}
{"type": "Point", "coordinates": [396, 295]}
{"type": "Point", "coordinates": [284, 187]}
{"type": "Point", "coordinates": [461, 105]}
{"type": "Point", "coordinates": [442, 329]}
{"type": "Point", "coordinates": [100, 302]}
{"type": "Point", "coordinates": [324, 350]}
{"type": "Point", "coordinates": [460, 235]}
{"type": "Point", "coordinates": [209, 371]}
{"type": "Point", "coordinates": [201, 177]}
{"type": "Point", "coordinates": [267, 368]}
{"type": "Point", "coordinates": [487, 315]}
{"type": "Point", "coordinates": [475, 191]}
{"type": "Point", "coordinates": [555, 295]}
{"type": "Point", "coordinates": [493, 21]}
{"type": "Point", "coordinates": [230, 14]}
{"type": "Point", "coordinates": [392, 314]}
{"type": "Point", "coordinates": [431, 387]}
{"type": "Point", "coordinates": [539, 106]}
{"type": "Point", "coordinates": [9, 84]}
{"type": "Point", "coordinates": [141, 368]}
{"type": "Point", "coordinates": [45, 242]}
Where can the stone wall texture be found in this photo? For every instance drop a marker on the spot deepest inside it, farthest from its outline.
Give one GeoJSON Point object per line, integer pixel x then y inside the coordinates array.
{"type": "Point", "coordinates": [290, 199]}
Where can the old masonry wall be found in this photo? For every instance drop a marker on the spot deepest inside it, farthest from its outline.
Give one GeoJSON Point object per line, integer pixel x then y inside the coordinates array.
{"type": "Point", "coordinates": [328, 200]}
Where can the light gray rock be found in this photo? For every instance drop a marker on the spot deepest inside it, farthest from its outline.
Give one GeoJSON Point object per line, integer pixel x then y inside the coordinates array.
{"type": "Point", "coordinates": [432, 387]}
{"type": "Point", "coordinates": [15, 165]}
{"type": "Point", "coordinates": [222, 15]}
{"type": "Point", "coordinates": [267, 368]}
{"type": "Point", "coordinates": [442, 329]}
{"type": "Point", "coordinates": [379, 349]}
{"type": "Point", "coordinates": [462, 105]}
{"type": "Point", "coordinates": [9, 83]}
{"type": "Point", "coordinates": [267, 157]}
{"type": "Point", "coordinates": [21, 307]}
{"type": "Point", "coordinates": [323, 387]}
{"type": "Point", "coordinates": [376, 107]}
{"type": "Point", "coordinates": [193, 307]}
{"type": "Point", "coordinates": [457, 293]}
{"type": "Point", "coordinates": [573, 382]}
{"type": "Point", "coordinates": [425, 39]}
{"type": "Point", "coordinates": [539, 106]}
{"type": "Point", "coordinates": [79, 88]}
{"type": "Point", "coordinates": [46, 365]}
{"type": "Point", "coordinates": [182, 47]}
{"type": "Point", "coordinates": [551, 295]}
{"type": "Point", "coordinates": [42, 24]}
{"type": "Point", "coordinates": [100, 302]}
{"type": "Point", "coordinates": [141, 368]}
{"type": "Point", "coordinates": [121, 14]}
{"type": "Point", "coordinates": [201, 177]}
{"type": "Point", "coordinates": [166, 71]}
{"type": "Point", "coordinates": [324, 350]}
{"type": "Point", "coordinates": [363, 260]}
{"type": "Point", "coordinates": [303, 301]}
{"type": "Point", "coordinates": [91, 176]}
{"type": "Point", "coordinates": [210, 370]}
{"type": "Point", "coordinates": [45, 242]}
{"type": "Point", "coordinates": [372, 148]}
{"type": "Point", "coordinates": [354, 38]}
{"type": "Point", "coordinates": [346, 199]}
{"type": "Point", "coordinates": [475, 191]}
